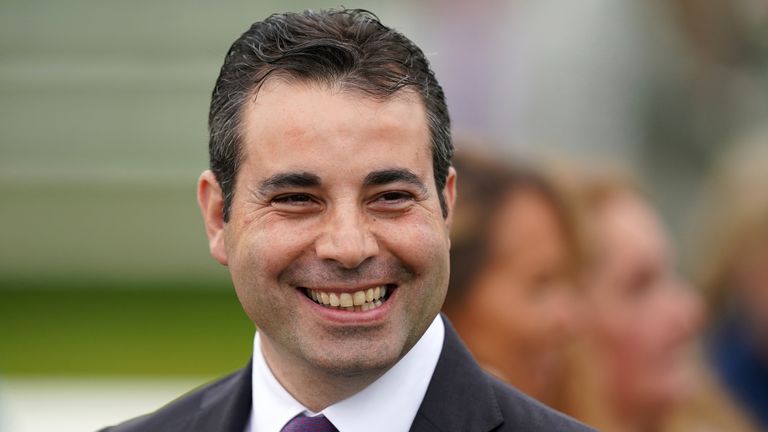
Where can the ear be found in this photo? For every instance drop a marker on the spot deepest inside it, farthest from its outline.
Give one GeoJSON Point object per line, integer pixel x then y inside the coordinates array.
{"type": "Point", "coordinates": [211, 202]}
{"type": "Point", "coordinates": [449, 192]}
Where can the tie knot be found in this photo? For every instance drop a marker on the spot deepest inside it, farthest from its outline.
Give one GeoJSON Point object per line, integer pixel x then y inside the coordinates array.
{"type": "Point", "coordinates": [302, 423]}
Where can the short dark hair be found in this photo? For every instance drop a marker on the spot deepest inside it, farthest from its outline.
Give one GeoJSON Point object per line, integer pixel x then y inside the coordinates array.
{"type": "Point", "coordinates": [347, 47]}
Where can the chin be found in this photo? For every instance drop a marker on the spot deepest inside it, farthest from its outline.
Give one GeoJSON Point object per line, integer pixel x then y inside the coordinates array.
{"type": "Point", "coordinates": [354, 364]}
{"type": "Point", "coordinates": [667, 395]}
{"type": "Point", "coordinates": [352, 353]}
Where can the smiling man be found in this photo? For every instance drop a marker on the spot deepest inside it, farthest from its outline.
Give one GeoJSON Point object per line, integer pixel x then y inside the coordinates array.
{"type": "Point", "coordinates": [329, 199]}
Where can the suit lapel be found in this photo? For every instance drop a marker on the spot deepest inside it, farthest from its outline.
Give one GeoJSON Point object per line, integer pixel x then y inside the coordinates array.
{"type": "Point", "coordinates": [459, 397]}
{"type": "Point", "coordinates": [226, 407]}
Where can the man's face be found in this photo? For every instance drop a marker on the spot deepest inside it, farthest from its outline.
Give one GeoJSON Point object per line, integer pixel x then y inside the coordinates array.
{"type": "Point", "coordinates": [336, 204]}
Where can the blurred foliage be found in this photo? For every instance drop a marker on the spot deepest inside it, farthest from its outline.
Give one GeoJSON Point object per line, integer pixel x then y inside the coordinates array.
{"type": "Point", "coordinates": [103, 110]}
{"type": "Point", "coordinates": [104, 265]}
{"type": "Point", "coordinates": [168, 329]}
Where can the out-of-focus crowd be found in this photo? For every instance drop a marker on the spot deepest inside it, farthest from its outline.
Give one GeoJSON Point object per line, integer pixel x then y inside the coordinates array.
{"type": "Point", "coordinates": [565, 284]}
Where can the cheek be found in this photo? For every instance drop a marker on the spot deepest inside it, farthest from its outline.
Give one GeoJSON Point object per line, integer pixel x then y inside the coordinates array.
{"type": "Point", "coordinates": [636, 345]}
{"type": "Point", "coordinates": [627, 334]}
{"type": "Point", "coordinates": [421, 244]}
{"type": "Point", "coordinates": [423, 249]}
{"type": "Point", "coordinates": [257, 257]}
{"type": "Point", "coordinates": [268, 248]}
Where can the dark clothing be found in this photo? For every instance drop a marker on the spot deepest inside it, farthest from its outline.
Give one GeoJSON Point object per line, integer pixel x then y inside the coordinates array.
{"type": "Point", "coordinates": [742, 369]}
{"type": "Point", "coordinates": [461, 397]}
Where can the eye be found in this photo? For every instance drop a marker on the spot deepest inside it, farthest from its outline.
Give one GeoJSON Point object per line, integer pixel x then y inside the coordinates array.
{"type": "Point", "coordinates": [292, 199]}
{"type": "Point", "coordinates": [295, 202]}
{"type": "Point", "coordinates": [392, 201]}
{"type": "Point", "coordinates": [395, 196]}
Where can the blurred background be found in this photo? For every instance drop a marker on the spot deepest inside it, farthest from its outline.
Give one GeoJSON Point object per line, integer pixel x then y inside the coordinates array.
{"type": "Point", "coordinates": [109, 301]}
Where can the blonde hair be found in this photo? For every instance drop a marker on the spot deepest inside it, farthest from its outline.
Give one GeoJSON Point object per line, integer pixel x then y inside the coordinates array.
{"type": "Point", "coordinates": [732, 216]}
{"type": "Point", "coordinates": [586, 398]}
{"type": "Point", "coordinates": [585, 390]}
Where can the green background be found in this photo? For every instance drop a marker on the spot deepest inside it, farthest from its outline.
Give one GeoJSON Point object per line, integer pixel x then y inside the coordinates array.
{"type": "Point", "coordinates": [104, 265]}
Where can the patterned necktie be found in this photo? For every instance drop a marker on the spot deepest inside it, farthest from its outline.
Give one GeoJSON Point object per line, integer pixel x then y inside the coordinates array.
{"type": "Point", "coordinates": [302, 423]}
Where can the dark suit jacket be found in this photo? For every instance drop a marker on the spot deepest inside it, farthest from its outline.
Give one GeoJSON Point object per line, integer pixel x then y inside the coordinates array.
{"type": "Point", "coordinates": [461, 397]}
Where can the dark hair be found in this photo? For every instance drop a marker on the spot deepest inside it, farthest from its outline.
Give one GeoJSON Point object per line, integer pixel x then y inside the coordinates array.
{"type": "Point", "coordinates": [345, 47]}
{"type": "Point", "coordinates": [485, 185]}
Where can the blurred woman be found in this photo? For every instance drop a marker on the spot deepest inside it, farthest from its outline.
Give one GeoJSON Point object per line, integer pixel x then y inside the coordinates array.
{"type": "Point", "coordinates": [733, 269]}
{"type": "Point", "coordinates": [641, 323]}
{"type": "Point", "coordinates": [513, 255]}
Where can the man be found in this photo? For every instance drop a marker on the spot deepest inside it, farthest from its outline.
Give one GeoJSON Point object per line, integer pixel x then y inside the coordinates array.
{"type": "Point", "coordinates": [329, 198]}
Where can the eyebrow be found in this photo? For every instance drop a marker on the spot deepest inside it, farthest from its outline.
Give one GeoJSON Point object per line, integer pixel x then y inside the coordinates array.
{"type": "Point", "coordinates": [394, 175]}
{"type": "Point", "coordinates": [304, 179]}
{"type": "Point", "coordinates": [288, 180]}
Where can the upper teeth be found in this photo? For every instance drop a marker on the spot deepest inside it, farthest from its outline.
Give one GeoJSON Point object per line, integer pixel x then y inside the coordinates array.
{"type": "Point", "coordinates": [358, 300]}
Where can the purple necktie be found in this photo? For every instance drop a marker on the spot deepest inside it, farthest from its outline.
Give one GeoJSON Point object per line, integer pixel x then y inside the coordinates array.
{"type": "Point", "coordinates": [302, 423]}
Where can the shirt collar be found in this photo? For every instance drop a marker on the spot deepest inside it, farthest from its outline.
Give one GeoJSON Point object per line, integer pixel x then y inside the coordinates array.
{"type": "Point", "coordinates": [272, 406]}
{"type": "Point", "coordinates": [389, 404]}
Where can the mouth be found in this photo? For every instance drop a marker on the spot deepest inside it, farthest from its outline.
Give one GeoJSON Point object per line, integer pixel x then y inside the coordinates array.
{"type": "Point", "coordinates": [356, 301]}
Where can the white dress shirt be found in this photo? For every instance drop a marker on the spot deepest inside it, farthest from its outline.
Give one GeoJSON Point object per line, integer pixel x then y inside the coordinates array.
{"type": "Point", "coordinates": [389, 404]}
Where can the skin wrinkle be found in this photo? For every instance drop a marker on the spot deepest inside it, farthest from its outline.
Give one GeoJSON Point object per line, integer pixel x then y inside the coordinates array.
{"type": "Point", "coordinates": [358, 54]}
{"type": "Point", "coordinates": [322, 274]}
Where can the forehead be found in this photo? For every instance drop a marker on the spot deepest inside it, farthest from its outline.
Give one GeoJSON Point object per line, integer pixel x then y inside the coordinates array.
{"type": "Point", "coordinates": [311, 127]}
{"type": "Point", "coordinates": [630, 230]}
{"type": "Point", "coordinates": [527, 219]}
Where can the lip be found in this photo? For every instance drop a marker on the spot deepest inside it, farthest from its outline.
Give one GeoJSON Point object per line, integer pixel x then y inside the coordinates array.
{"type": "Point", "coordinates": [340, 316]}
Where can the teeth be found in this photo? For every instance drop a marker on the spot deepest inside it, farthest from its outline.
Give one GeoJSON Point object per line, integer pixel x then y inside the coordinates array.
{"type": "Point", "coordinates": [359, 301]}
{"type": "Point", "coordinates": [359, 298]}
{"type": "Point", "coordinates": [346, 300]}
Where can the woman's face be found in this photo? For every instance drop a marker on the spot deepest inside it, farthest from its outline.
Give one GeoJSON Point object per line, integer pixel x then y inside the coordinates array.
{"type": "Point", "coordinates": [643, 316]}
{"type": "Point", "coordinates": [523, 299]}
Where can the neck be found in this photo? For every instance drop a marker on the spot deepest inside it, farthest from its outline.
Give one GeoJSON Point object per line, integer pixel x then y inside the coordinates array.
{"type": "Point", "coordinates": [635, 419]}
{"type": "Point", "coordinates": [314, 388]}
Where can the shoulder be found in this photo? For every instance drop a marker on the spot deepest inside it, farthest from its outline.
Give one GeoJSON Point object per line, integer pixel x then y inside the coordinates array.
{"type": "Point", "coordinates": [519, 409]}
{"type": "Point", "coordinates": [172, 417]}
{"type": "Point", "coordinates": [180, 414]}
{"type": "Point", "coordinates": [462, 397]}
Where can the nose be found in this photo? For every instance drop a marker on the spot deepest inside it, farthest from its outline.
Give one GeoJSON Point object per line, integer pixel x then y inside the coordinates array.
{"type": "Point", "coordinates": [346, 238]}
{"type": "Point", "coordinates": [565, 312]}
{"type": "Point", "coordinates": [686, 311]}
